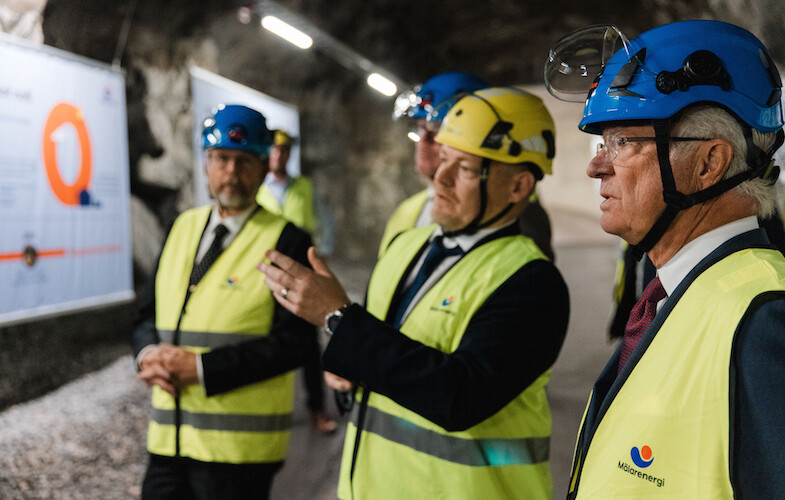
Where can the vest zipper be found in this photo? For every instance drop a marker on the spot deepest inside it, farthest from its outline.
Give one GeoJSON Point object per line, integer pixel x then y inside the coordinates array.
{"type": "Point", "coordinates": [360, 423]}
{"type": "Point", "coordinates": [177, 414]}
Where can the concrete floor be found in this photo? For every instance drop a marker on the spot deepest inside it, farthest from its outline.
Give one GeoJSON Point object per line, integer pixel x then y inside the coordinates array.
{"type": "Point", "coordinates": [586, 257]}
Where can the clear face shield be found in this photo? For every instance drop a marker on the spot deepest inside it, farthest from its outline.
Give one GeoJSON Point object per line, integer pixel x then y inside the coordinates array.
{"type": "Point", "coordinates": [576, 60]}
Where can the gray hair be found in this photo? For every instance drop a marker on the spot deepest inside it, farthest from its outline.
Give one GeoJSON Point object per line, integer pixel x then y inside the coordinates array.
{"type": "Point", "coordinates": [716, 123]}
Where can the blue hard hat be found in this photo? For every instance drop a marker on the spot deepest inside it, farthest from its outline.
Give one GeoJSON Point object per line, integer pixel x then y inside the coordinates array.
{"type": "Point", "coordinates": [665, 70]}
{"type": "Point", "coordinates": [426, 98]}
{"type": "Point", "coordinates": [239, 127]}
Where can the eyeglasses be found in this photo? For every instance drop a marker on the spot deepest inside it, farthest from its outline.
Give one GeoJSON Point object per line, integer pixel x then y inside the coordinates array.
{"type": "Point", "coordinates": [613, 145]}
{"type": "Point", "coordinates": [220, 159]}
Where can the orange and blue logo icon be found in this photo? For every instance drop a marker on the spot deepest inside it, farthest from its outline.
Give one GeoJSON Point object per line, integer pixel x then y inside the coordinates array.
{"type": "Point", "coordinates": [232, 280]}
{"type": "Point", "coordinates": [446, 302]}
{"type": "Point", "coordinates": [642, 457]}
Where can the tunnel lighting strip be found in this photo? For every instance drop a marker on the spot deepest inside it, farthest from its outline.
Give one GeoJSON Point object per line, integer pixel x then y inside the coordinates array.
{"type": "Point", "coordinates": [377, 78]}
{"type": "Point", "coordinates": [382, 84]}
{"type": "Point", "coordinates": [287, 32]}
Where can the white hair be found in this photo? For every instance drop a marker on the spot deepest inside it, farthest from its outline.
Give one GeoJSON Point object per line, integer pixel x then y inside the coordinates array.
{"type": "Point", "coordinates": [716, 123]}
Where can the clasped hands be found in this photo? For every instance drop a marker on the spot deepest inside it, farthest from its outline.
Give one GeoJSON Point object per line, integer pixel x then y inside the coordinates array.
{"type": "Point", "coordinates": [169, 367]}
{"type": "Point", "coordinates": [309, 294]}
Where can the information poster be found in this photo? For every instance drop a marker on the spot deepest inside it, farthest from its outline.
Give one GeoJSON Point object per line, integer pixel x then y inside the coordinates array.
{"type": "Point", "coordinates": [208, 90]}
{"type": "Point", "coordinates": [64, 186]}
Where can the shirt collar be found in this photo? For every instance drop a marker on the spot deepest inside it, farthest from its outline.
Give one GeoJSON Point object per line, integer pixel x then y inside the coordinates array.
{"type": "Point", "coordinates": [272, 180]}
{"type": "Point", "coordinates": [677, 268]}
{"type": "Point", "coordinates": [233, 223]}
{"type": "Point", "coordinates": [466, 241]}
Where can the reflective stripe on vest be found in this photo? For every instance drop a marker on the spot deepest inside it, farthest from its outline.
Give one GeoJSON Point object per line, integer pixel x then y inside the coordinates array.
{"type": "Point", "coordinates": [404, 217]}
{"type": "Point", "coordinates": [403, 455]}
{"type": "Point", "coordinates": [666, 432]}
{"type": "Point", "coordinates": [297, 205]}
{"type": "Point", "coordinates": [231, 304]}
{"type": "Point", "coordinates": [209, 340]}
{"type": "Point", "coordinates": [474, 452]}
{"type": "Point", "coordinates": [225, 422]}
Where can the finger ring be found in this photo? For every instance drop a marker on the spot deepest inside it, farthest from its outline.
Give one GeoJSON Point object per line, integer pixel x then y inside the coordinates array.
{"type": "Point", "coordinates": [284, 293]}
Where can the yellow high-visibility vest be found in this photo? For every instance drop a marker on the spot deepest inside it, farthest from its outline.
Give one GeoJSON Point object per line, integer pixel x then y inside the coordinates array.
{"type": "Point", "coordinates": [231, 304]}
{"type": "Point", "coordinates": [297, 204]}
{"type": "Point", "coordinates": [666, 432]}
{"type": "Point", "coordinates": [403, 455]}
{"type": "Point", "coordinates": [404, 217]}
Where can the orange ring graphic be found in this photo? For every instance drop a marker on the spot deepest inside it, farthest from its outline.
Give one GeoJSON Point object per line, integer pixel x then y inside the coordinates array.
{"type": "Point", "coordinates": [66, 113]}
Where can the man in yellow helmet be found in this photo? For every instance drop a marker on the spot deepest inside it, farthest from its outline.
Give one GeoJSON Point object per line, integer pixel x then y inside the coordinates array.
{"type": "Point", "coordinates": [294, 199]}
{"type": "Point", "coordinates": [464, 319]}
{"type": "Point", "coordinates": [425, 107]}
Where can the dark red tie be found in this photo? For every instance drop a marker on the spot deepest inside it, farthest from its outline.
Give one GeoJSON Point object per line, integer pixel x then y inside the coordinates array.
{"type": "Point", "coordinates": [640, 318]}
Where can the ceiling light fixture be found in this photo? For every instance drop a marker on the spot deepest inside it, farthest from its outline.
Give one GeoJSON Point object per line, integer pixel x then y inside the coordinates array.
{"type": "Point", "coordinates": [287, 32]}
{"type": "Point", "coordinates": [382, 84]}
{"type": "Point", "coordinates": [333, 48]}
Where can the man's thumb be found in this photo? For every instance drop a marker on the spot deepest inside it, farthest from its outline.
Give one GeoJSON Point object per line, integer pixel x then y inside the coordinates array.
{"type": "Point", "coordinates": [319, 266]}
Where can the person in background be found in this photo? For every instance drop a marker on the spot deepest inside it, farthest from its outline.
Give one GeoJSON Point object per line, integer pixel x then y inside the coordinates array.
{"type": "Point", "coordinates": [295, 200]}
{"type": "Point", "coordinates": [433, 97]}
{"type": "Point", "coordinates": [690, 405]}
{"type": "Point", "coordinates": [210, 340]}
{"type": "Point", "coordinates": [464, 319]}
{"type": "Point", "coordinates": [425, 106]}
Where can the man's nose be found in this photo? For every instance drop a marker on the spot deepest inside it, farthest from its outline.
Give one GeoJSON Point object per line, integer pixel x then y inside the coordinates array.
{"type": "Point", "coordinates": [444, 174]}
{"type": "Point", "coordinates": [599, 165]}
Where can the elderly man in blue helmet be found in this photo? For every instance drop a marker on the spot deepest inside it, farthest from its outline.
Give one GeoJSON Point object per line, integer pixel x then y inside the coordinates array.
{"type": "Point", "coordinates": [691, 404]}
{"type": "Point", "coordinates": [210, 339]}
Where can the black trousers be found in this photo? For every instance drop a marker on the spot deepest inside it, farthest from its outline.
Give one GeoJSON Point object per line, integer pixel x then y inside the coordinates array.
{"type": "Point", "coordinates": [174, 478]}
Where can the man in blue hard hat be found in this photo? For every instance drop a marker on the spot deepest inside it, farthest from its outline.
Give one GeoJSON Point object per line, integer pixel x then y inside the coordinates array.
{"type": "Point", "coordinates": [425, 106]}
{"type": "Point", "coordinates": [690, 405]}
{"type": "Point", "coordinates": [210, 339]}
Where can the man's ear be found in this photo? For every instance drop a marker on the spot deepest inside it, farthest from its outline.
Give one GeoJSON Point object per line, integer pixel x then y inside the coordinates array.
{"type": "Point", "coordinates": [523, 183]}
{"type": "Point", "coordinates": [715, 157]}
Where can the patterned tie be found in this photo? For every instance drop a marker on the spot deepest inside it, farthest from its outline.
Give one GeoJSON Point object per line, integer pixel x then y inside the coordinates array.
{"type": "Point", "coordinates": [216, 247]}
{"type": "Point", "coordinates": [640, 318]}
{"type": "Point", "coordinates": [436, 254]}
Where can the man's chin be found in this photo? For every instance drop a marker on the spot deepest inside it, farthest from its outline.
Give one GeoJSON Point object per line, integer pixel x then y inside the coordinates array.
{"type": "Point", "coordinates": [235, 202]}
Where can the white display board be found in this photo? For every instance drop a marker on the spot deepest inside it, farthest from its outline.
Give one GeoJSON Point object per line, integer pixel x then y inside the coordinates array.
{"type": "Point", "coordinates": [64, 186]}
{"type": "Point", "coordinates": [208, 90]}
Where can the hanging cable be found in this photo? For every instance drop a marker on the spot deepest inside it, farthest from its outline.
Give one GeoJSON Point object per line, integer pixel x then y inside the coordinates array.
{"type": "Point", "coordinates": [123, 38]}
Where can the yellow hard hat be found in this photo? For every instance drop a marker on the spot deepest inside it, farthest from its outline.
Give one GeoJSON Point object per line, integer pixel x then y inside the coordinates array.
{"type": "Point", "coordinates": [282, 138]}
{"type": "Point", "coordinates": [503, 124]}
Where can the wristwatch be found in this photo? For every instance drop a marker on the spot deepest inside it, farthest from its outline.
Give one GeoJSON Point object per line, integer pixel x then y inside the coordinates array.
{"type": "Point", "coordinates": [332, 319]}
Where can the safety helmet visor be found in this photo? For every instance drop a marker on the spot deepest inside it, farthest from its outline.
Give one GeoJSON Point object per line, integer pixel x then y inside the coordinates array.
{"type": "Point", "coordinates": [665, 70]}
{"type": "Point", "coordinates": [577, 60]}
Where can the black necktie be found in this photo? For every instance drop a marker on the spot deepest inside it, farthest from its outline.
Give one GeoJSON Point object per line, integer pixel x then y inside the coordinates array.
{"type": "Point", "coordinates": [436, 254]}
{"type": "Point", "coordinates": [216, 247]}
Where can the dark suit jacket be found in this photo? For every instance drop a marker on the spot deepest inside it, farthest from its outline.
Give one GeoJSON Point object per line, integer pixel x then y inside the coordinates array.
{"type": "Point", "coordinates": [511, 340]}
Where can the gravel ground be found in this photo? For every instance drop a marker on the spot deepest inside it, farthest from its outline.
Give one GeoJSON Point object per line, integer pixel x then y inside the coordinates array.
{"type": "Point", "coordinates": [82, 441]}
{"type": "Point", "coordinates": [86, 440]}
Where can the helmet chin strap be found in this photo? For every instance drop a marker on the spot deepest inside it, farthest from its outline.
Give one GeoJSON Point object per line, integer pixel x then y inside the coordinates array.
{"type": "Point", "coordinates": [761, 166]}
{"type": "Point", "coordinates": [475, 225]}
